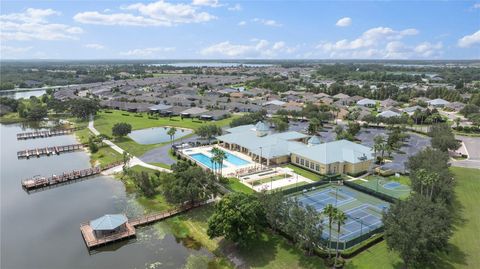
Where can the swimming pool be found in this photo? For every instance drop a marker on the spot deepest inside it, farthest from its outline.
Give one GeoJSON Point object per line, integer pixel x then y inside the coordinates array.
{"type": "Point", "coordinates": [205, 160]}
{"type": "Point", "coordinates": [235, 160]}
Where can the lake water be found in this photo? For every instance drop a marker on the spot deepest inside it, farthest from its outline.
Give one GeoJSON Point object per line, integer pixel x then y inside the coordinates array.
{"type": "Point", "coordinates": [156, 135]}
{"type": "Point", "coordinates": [42, 229]}
{"type": "Point", "coordinates": [23, 94]}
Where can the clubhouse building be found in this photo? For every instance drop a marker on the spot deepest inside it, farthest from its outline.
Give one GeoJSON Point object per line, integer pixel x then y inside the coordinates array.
{"type": "Point", "coordinates": [337, 157]}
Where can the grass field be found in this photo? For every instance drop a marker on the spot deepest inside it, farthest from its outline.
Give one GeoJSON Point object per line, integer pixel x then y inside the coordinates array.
{"type": "Point", "coordinates": [11, 117]}
{"type": "Point", "coordinates": [464, 244]}
{"type": "Point", "coordinates": [235, 185]}
{"type": "Point", "coordinates": [105, 121]}
{"type": "Point", "coordinates": [268, 251]}
{"type": "Point", "coordinates": [304, 173]}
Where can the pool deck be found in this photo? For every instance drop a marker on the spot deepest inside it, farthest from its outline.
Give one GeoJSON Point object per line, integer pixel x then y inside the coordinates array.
{"type": "Point", "coordinates": [231, 169]}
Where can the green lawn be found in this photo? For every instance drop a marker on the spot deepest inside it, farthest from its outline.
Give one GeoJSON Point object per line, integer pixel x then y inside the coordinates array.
{"type": "Point", "coordinates": [464, 244]}
{"type": "Point", "coordinates": [105, 155]}
{"type": "Point", "coordinates": [105, 121]}
{"type": "Point", "coordinates": [235, 185]}
{"type": "Point", "coordinates": [268, 251]}
{"type": "Point", "coordinates": [377, 256]}
{"type": "Point", "coordinates": [162, 165]}
{"type": "Point", "coordinates": [151, 204]}
{"type": "Point", "coordinates": [11, 117]}
{"type": "Point", "coordinates": [304, 172]}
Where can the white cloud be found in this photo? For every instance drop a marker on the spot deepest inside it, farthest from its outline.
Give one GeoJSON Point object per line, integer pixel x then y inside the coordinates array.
{"type": "Point", "coordinates": [236, 7]}
{"type": "Point", "coordinates": [208, 3]}
{"type": "Point", "coordinates": [94, 46]}
{"type": "Point", "coordinates": [158, 13]}
{"type": "Point", "coordinates": [9, 52]}
{"type": "Point", "coordinates": [469, 40]}
{"type": "Point", "coordinates": [344, 22]}
{"type": "Point", "coordinates": [380, 43]}
{"type": "Point", "coordinates": [427, 49]}
{"type": "Point", "coordinates": [267, 22]}
{"type": "Point", "coordinates": [476, 5]}
{"type": "Point", "coordinates": [242, 23]}
{"type": "Point", "coordinates": [147, 52]}
{"type": "Point", "coordinates": [367, 40]}
{"type": "Point", "coordinates": [33, 25]}
{"type": "Point", "coordinates": [258, 49]}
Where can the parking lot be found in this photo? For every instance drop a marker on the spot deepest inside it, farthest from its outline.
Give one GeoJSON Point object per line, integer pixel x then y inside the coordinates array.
{"type": "Point", "coordinates": [412, 146]}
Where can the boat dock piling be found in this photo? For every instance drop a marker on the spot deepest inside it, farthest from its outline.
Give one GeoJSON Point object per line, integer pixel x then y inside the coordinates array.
{"type": "Point", "coordinates": [42, 182]}
{"type": "Point", "coordinates": [47, 151]}
{"type": "Point", "coordinates": [46, 133]}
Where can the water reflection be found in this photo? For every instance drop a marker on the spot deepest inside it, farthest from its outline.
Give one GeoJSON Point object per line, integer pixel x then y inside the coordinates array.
{"type": "Point", "coordinates": [41, 230]}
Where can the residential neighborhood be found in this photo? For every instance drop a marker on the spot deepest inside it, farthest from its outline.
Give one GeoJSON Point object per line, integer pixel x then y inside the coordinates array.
{"type": "Point", "coordinates": [213, 134]}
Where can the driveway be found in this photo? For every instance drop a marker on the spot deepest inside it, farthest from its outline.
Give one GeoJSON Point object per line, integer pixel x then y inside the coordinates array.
{"type": "Point", "coordinates": [472, 146]}
{"type": "Point", "coordinates": [160, 154]}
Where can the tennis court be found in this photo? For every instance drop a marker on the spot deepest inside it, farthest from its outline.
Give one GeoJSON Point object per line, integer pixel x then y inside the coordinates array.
{"type": "Point", "coordinates": [364, 212]}
{"type": "Point", "coordinates": [388, 187]}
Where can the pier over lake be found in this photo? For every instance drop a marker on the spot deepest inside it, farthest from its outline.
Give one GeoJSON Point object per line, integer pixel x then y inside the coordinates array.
{"type": "Point", "coordinates": [41, 230]}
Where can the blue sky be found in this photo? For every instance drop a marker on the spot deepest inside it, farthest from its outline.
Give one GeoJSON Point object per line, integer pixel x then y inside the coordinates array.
{"type": "Point", "coordinates": [216, 29]}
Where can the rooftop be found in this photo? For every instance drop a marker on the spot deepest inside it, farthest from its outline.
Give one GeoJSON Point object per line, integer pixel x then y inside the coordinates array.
{"type": "Point", "coordinates": [108, 222]}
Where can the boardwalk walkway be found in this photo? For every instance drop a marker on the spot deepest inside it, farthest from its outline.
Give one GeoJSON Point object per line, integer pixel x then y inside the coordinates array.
{"type": "Point", "coordinates": [129, 230]}
{"type": "Point", "coordinates": [134, 161]}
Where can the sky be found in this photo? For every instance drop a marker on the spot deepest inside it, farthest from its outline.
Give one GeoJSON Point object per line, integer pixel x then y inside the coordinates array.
{"type": "Point", "coordinates": [219, 29]}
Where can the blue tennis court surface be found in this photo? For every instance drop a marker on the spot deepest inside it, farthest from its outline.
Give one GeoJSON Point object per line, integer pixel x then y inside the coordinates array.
{"type": "Point", "coordinates": [392, 185]}
{"type": "Point", "coordinates": [364, 212]}
{"type": "Point", "coordinates": [327, 196]}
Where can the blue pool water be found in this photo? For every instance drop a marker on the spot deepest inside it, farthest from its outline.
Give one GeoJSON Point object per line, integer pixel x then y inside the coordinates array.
{"type": "Point", "coordinates": [204, 159]}
{"type": "Point", "coordinates": [235, 160]}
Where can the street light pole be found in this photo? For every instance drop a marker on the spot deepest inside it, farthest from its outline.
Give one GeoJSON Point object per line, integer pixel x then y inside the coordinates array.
{"type": "Point", "coordinates": [261, 165]}
{"type": "Point", "coordinates": [336, 193]}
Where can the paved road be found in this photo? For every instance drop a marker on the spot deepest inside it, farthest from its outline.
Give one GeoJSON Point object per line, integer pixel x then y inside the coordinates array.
{"type": "Point", "coordinates": [160, 154]}
{"type": "Point", "coordinates": [472, 144]}
{"type": "Point", "coordinates": [134, 161]}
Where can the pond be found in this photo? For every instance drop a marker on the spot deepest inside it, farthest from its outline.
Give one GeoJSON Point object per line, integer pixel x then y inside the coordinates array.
{"type": "Point", "coordinates": [42, 229]}
{"type": "Point", "coordinates": [22, 94]}
{"type": "Point", "coordinates": [156, 135]}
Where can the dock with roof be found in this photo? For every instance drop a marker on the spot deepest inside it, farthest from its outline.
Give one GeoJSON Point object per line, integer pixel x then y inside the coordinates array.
{"type": "Point", "coordinates": [116, 227]}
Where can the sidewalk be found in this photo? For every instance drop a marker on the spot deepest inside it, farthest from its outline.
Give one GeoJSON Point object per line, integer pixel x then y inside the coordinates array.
{"type": "Point", "coordinates": [134, 161]}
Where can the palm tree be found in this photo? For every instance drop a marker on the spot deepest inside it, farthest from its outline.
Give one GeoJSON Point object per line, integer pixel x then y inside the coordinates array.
{"type": "Point", "coordinates": [221, 156]}
{"type": "Point", "coordinates": [171, 132]}
{"type": "Point", "coordinates": [457, 121]}
{"type": "Point", "coordinates": [218, 156]}
{"type": "Point", "coordinates": [335, 110]}
{"type": "Point", "coordinates": [330, 211]}
{"type": "Point", "coordinates": [340, 219]}
{"type": "Point", "coordinates": [214, 159]}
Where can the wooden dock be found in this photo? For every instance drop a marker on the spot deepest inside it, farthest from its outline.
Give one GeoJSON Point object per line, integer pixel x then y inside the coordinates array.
{"type": "Point", "coordinates": [92, 242]}
{"type": "Point", "coordinates": [46, 133]}
{"type": "Point", "coordinates": [43, 182]}
{"type": "Point", "coordinates": [47, 151]}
